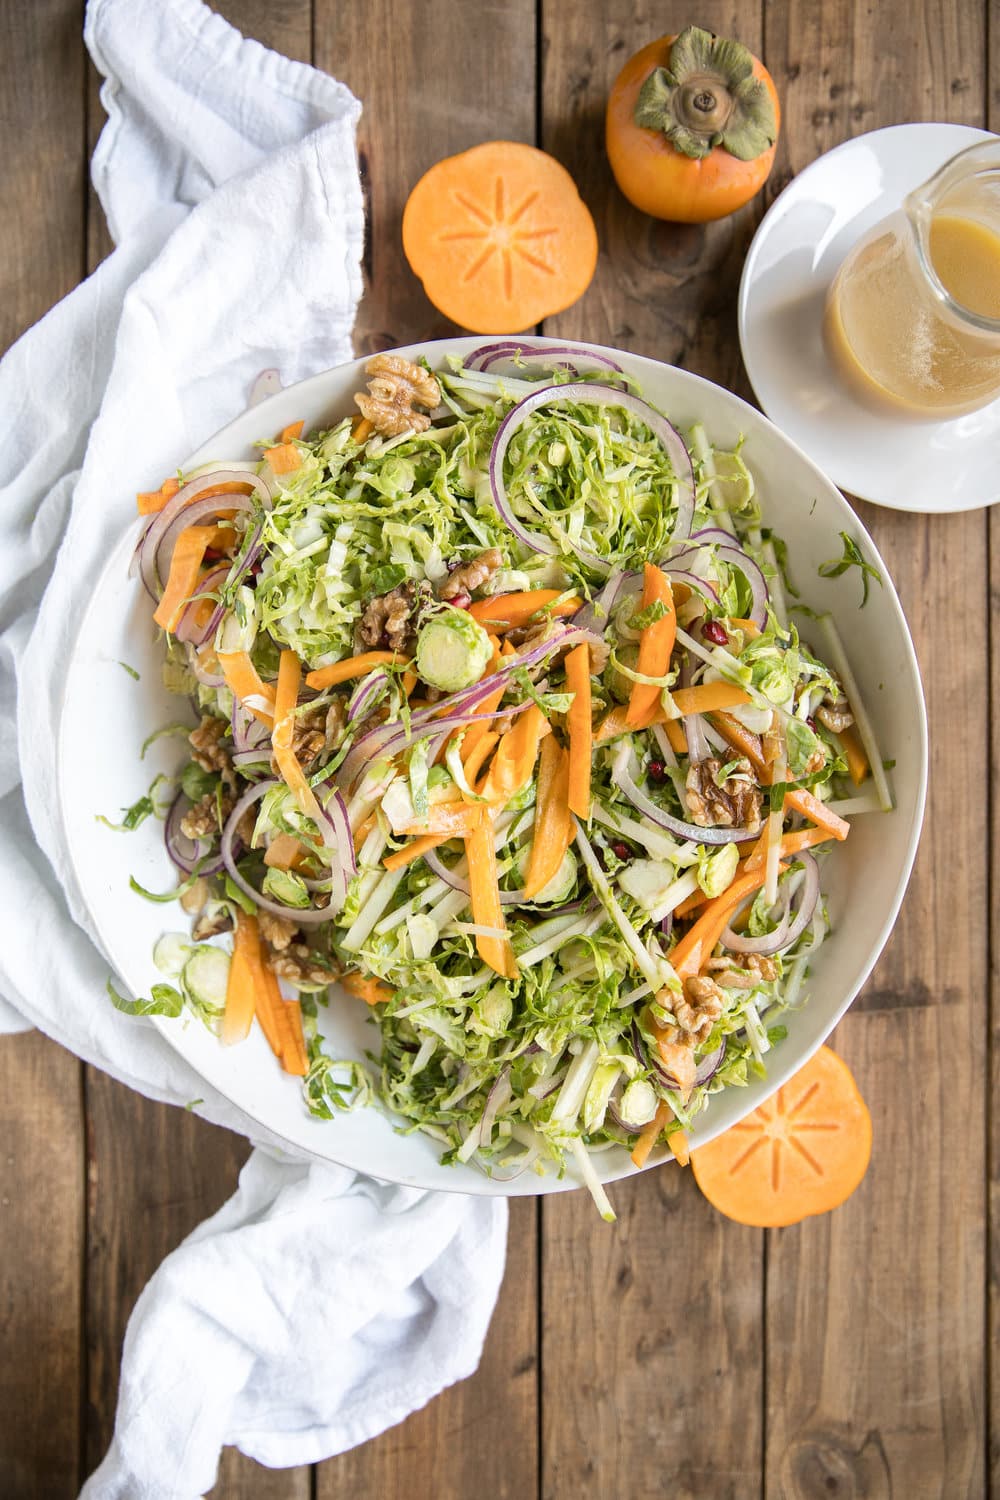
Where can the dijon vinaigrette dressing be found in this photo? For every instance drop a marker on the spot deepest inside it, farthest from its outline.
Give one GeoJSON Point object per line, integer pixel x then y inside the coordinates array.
{"type": "Point", "coordinates": [892, 340]}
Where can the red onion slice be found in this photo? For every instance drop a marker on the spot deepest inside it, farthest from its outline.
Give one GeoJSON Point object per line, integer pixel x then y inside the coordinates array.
{"type": "Point", "coordinates": [589, 395]}
{"type": "Point", "coordinates": [187, 854]}
{"type": "Point", "coordinates": [715, 534]}
{"type": "Point", "coordinates": [237, 572]}
{"type": "Point", "coordinates": [596, 615]}
{"type": "Point", "coordinates": [726, 549]}
{"type": "Point", "coordinates": [709, 1065]}
{"type": "Point", "coordinates": [461, 882]}
{"type": "Point", "coordinates": [698, 585]}
{"type": "Point", "coordinates": [187, 629]}
{"type": "Point", "coordinates": [156, 531]}
{"type": "Point", "coordinates": [365, 694]}
{"type": "Point", "coordinates": [304, 916]}
{"type": "Point", "coordinates": [498, 1096]}
{"type": "Point", "coordinates": [564, 356]}
{"type": "Point", "coordinates": [339, 840]}
{"type": "Point", "coordinates": [789, 929]}
{"type": "Point", "coordinates": [207, 679]}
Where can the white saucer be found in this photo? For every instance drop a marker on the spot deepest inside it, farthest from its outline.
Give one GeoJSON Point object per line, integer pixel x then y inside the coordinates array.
{"type": "Point", "coordinates": [801, 242]}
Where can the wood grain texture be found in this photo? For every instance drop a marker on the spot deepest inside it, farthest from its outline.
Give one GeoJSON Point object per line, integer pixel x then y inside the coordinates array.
{"type": "Point", "coordinates": [41, 1114]}
{"type": "Point", "coordinates": [663, 290]}
{"type": "Point", "coordinates": [41, 1232]}
{"type": "Point", "coordinates": [436, 78]}
{"type": "Point", "coordinates": [875, 1377]}
{"type": "Point", "coordinates": [652, 1360]}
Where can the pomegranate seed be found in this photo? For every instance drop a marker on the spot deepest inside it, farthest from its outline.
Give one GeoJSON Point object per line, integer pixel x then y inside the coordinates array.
{"type": "Point", "coordinates": [713, 631]}
{"type": "Point", "coordinates": [657, 771]}
{"type": "Point", "coordinates": [461, 600]}
{"type": "Point", "coordinates": [620, 850]}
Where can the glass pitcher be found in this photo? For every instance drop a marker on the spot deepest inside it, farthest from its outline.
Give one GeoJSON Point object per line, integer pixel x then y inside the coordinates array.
{"type": "Point", "coordinates": [913, 315]}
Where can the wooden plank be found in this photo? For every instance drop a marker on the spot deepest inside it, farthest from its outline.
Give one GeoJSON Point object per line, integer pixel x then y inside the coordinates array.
{"type": "Point", "coordinates": [41, 1231]}
{"type": "Point", "coordinates": [663, 290]}
{"type": "Point", "coordinates": [652, 1360]}
{"type": "Point", "coordinates": [434, 79]}
{"type": "Point", "coordinates": [41, 1115]}
{"type": "Point", "coordinates": [156, 1172]}
{"type": "Point", "coordinates": [874, 1331]}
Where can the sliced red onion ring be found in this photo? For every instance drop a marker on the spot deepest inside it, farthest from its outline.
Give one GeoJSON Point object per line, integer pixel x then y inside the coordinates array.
{"type": "Point", "coordinates": [339, 839]}
{"type": "Point", "coordinates": [245, 760]}
{"type": "Point", "coordinates": [699, 585]}
{"type": "Point", "coordinates": [304, 916]}
{"type": "Point", "coordinates": [656, 814]}
{"type": "Point", "coordinates": [368, 690]}
{"type": "Point", "coordinates": [726, 549]}
{"type": "Point", "coordinates": [187, 629]}
{"type": "Point", "coordinates": [790, 928]}
{"type": "Point", "coordinates": [595, 615]}
{"type": "Point", "coordinates": [186, 496]}
{"type": "Point", "coordinates": [247, 730]}
{"type": "Point", "coordinates": [186, 853]}
{"type": "Point", "coordinates": [461, 882]}
{"type": "Point", "coordinates": [207, 679]}
{"type": "Point", "coordinates": [564, 356]}
{"type": "Point", "coordinates": [715, 534]}
{"type": "Point", "coordinates": [235, 576]}
{"type": "Point", "coordinates": [709, 1065]}
{"type": "Point", "coordinates": [498, 1096]}
{"type": "Point", "coordinates": [754, 577]}
{"type": "Point", "coordinates": [589, 395]}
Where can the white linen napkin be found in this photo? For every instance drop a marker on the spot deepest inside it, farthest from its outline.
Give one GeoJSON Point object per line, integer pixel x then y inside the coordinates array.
{"type": "Point", "coordinates": [317, 1308]}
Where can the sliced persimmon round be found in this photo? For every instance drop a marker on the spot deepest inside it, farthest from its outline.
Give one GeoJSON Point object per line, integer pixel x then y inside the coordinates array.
{"type": "Point", "coordinates": [803, 1152]}
{"type": "Point", "coordinates": [500, 237]}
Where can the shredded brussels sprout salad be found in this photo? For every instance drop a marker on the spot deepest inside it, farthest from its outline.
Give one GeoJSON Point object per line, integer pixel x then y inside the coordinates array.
{"type": "Point", "coordinates": [505, 725]}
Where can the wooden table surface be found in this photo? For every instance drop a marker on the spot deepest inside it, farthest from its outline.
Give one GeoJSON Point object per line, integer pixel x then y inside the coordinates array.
{"type": "Point", "coordinates": [675, 1353]}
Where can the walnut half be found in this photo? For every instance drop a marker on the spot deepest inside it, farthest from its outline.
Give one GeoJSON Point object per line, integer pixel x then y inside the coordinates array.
{"type": "Point", "coordinates": [396, 387]}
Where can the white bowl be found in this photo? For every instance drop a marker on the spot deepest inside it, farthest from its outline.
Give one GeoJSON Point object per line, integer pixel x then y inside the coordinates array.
{"type": "Point", "coordinates": [865, 879]}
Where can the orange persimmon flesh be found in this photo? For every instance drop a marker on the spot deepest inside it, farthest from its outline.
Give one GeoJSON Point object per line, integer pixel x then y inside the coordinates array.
{"type": "Point", "coordinates": [352, 666]}
{"type": "Point", "coordinates": [580, 727]}
{"type": "Point", "coordinates": [655, 645]}
{"type": "Point", "coordinates": [284, 458]}
{"type": "Point", "coordinates": [185, 571]}
{"type": "Point", "coordinates": [485, 896]}
{"type": "Point", "coordinates": [854, 754]}
{"type": "Point", "coordinates": [241, 995]}
{"type": "Point", "coordinates": [366, 987]}
{"type": "Point", "coordinates": [514, 762]}
{"type": "Point", "coordinates": [505, 611]}
{"type": "Point", "coordinates": [500, 237]}
{"type": "Point", "coordinates": [801, 1153]}
{"type": "Point", "coordinates": [553, 832]}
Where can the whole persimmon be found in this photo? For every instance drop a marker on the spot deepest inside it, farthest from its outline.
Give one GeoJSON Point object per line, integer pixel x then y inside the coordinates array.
{"type": "Point", "coordinates": [692, 126]}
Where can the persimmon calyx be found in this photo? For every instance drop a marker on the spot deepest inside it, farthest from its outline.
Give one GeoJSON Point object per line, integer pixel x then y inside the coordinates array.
{"type": "Point", "coordinates": [708, 97]}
